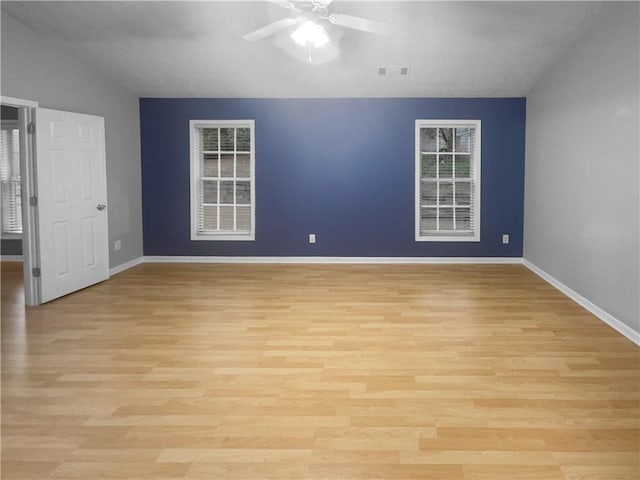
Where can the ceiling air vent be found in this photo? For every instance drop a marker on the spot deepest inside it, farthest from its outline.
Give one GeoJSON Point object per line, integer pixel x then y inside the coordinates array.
{"type": "Point", "coordinates": [393, 71]}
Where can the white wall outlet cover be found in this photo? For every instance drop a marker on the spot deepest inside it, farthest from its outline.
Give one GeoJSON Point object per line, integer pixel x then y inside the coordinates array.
{"type": "Point", "coordinates": [312, 238]}
{"type": "Point", "coordinates": [505, 238]}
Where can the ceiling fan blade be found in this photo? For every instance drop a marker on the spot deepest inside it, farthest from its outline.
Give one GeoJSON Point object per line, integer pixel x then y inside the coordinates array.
{"type": "Point", "coordinates": [358, 23]}
{"type": "Point", "coordinates": [288, 4]}
{"type": "Point", "coordinates": [270, 29]}
{"type": "Point", "coordinates": [322, 3]}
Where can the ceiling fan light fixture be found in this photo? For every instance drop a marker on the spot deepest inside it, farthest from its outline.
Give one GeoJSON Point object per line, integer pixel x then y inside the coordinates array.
{"type": "Point", "coordinates": [310, 33]}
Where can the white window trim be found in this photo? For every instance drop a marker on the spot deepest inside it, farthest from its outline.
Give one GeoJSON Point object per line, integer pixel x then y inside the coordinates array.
{"type": "Point", "coordinates": [476, 179]}
{"type": "Point", "coordinates": [193, 161]}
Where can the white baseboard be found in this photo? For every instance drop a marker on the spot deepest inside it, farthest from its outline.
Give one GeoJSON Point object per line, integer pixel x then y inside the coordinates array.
{"type": "Point", "coordinates": [126, 266]}
{"type": "Point", "coordinates": [11, 258]}
{"type": "Point", "coordinates": [606, 317]}
{"type": "Point", "coordinates": [335, 260]}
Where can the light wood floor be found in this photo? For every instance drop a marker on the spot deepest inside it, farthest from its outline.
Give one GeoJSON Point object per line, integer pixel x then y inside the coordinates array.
{"type": "Point", "coordinates": [316, 372]}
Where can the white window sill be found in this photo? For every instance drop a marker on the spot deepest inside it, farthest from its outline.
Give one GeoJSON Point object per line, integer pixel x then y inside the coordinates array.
{"type": "Point", "coordinates": [447, 238]}
{"type": "Point", "coordinates": [11, 236]}
{"type": "Point", "coordinates": [223, 237]}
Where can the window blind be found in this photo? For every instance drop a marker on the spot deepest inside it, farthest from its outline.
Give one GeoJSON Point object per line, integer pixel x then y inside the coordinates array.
{"type": "Point", "coordinates": [10, 181]}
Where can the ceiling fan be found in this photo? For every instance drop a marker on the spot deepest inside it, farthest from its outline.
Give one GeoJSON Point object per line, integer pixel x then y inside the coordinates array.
{"type": "Point", "coordinates": [309, 15]}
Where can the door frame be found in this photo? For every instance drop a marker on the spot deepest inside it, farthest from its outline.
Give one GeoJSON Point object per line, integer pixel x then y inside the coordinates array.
{"type": "Point", "coordinates": [30, 233]}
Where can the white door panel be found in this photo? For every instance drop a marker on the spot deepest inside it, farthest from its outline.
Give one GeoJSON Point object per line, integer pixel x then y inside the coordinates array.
{"type": "Point", "coordinates": [71, 184]}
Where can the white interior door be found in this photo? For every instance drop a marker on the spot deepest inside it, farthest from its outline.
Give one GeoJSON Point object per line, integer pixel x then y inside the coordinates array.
{"type": "Point", "coordinates": [72, 197]}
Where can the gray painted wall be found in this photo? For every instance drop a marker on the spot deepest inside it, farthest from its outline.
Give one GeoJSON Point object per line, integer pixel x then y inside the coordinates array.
{"type": "Point", "coordinates": [581, 175]}
{"type": "Point", "coordinates": [34, 68]}
{"type": "Point", "coordinates": [8, 113]}
{"type": "Point", "coordinates": [11, 246]}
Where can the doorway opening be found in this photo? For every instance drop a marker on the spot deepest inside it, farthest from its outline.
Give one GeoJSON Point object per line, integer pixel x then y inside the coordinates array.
{"type": "Point", "coordinates": [17, 219]}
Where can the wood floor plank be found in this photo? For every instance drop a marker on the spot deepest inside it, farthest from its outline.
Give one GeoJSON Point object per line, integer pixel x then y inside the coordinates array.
{"type": "Point", "coordinates": [209, 371]}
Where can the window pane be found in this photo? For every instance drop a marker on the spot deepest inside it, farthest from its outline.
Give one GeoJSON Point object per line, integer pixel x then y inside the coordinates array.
{"type": "Point", "coordinates": [463, 219]}
{"type": "Point", "coordinates": [243, 139]}
{"type": "Point", "coordinates": [463, 166]}
{"type": "Point", "coordinates": [209, 191]}
{"type": "Point", "coordinates": [243, 165]}
{"type": "Point", "coordinates": [463, 193]}
{"type": "Point", "coordinates": [222, 160]}
{"type": "Point", "coordinates": [429, 194]}
{"type": "Point", "coordinates": [210, 218]}
{"type": "Point", "coordinates": [243, 218]}
{"type": "Point", "coordinates": [446, 219]}
{"type": "Point", "coordinates": [210, 139]}
{"type": "Point", "coordinates": [428, 139]}
{"type": "Point", "coordinates": [226, 218]}
{"type": "Point", "coordinates": [210, 165]}
{"type": "Point", "coordinates": [428, 167]}
{"type": "Point", "coordinates": [446, 193]}
{"type": "Point", "coordinates": [227, 141]}
{"type": "Point", "coordinates": [226, 192]}
{"type": "Point", "coordinates": [464, 139]}
{"type": "Point", "coordinates": [243, 193]}
{"type": "Point", "coordinates": [445, 136]}
{"type": "Point", "coordinates": [428, 220]}
{"type": "Point", "coordinates": [226, 165]}
{"type": "Point", "coordinates": [445, 168]}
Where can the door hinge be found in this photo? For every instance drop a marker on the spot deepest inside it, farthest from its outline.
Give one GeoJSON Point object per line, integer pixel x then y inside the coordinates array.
{"type": "Point", "coordinates": [36, 271]}
{"type": "Point", "coordinates": [33, 201]}
{"type": "Point", "coordinates": [31, 127]}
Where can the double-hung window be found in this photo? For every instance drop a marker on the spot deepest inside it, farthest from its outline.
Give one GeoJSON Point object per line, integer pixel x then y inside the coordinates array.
{"type": "Point", "coordinates": [447, 186]}
{"type": "Point", "coordinates": [10, 180]}
{"type": "Point", "coordinates": [222, 180]}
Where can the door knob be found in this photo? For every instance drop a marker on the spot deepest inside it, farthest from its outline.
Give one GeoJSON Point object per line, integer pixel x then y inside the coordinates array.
{"type": "Point", "coordinates": [101, 207]}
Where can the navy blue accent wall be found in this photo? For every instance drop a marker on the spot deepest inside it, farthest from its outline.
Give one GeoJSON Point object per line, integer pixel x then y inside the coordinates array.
{"type": "Point", "coordinates": [340, 168]}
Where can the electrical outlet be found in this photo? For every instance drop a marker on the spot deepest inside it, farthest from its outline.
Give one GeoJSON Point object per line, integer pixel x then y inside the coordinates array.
{"type": "Point", "coordinates": [312, 238]}
{"type": "Point", "coordinates": [117, 245]}
{"type": "Point", "coordinates": [505, 238]}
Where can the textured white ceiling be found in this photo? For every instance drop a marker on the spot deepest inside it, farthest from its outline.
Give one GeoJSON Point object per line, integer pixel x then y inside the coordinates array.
{"type": "Point", "coordinates": [195, 49]}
